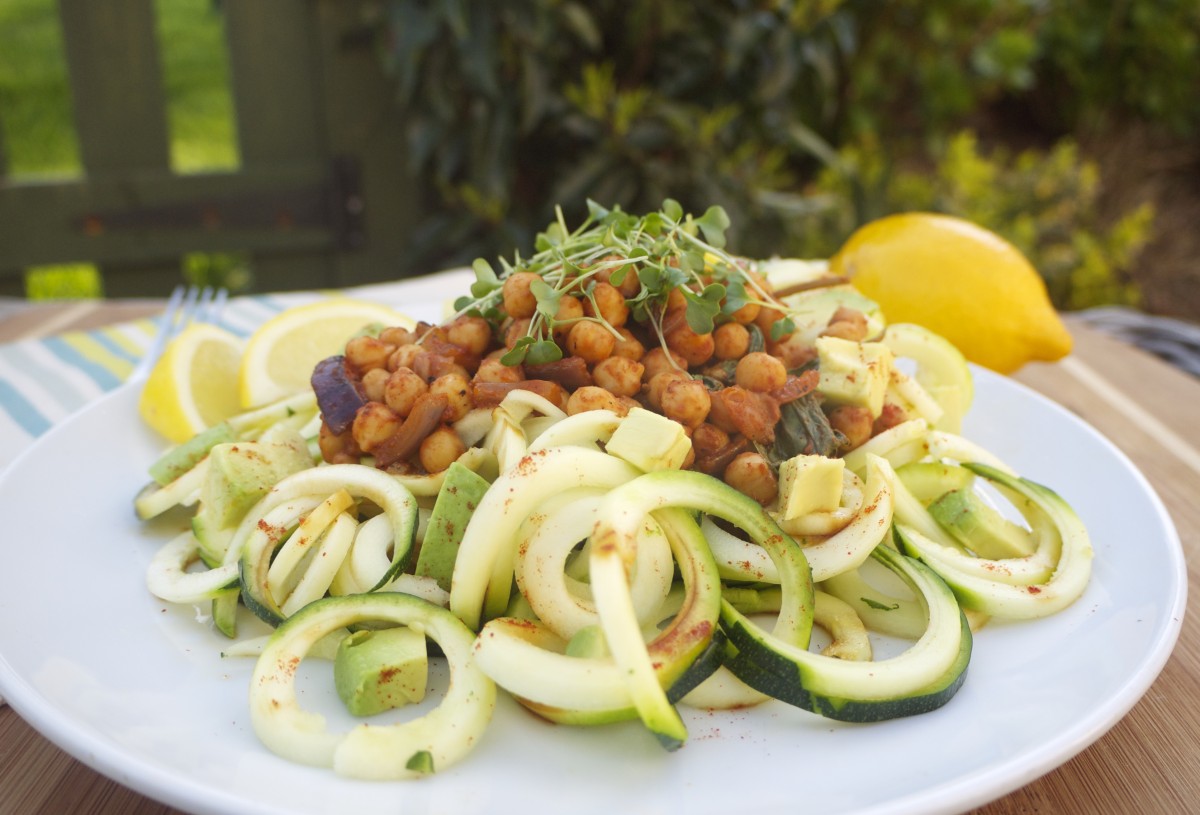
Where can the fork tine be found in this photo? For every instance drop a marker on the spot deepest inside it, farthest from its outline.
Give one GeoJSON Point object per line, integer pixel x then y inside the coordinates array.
{"type": "Point", "coordinates": [187, 305]}
{"type": "Point", "coordinates": [218, 303]}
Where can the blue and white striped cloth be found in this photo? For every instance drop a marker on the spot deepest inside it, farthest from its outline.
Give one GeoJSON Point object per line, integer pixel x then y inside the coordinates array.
{"type": "Point", "coordinates": [44, 380]}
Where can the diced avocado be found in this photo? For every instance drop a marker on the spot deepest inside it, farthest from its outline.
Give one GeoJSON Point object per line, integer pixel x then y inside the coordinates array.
{"type": "Point", "coordinates": [810, 484]}
{"type": "Point", "coordinates": [224, 611]}
{"type": "Point", "coordinates": [239, 473]}
{"type": "Point", "coordinates": [979, 527]}
{"type": "Point", "coordinates": [588, 642]}
{"type": "Point", "coordinates": [181, 458]}
{"type": "Point", "coordinates": [854, 373]}
{"type": "Point", "coordinates": [461, 492]}
{"type": "Point", "coordinates": [649, 441]}
{"type": "Point", "coordinates": [381, 669]}
{"type": "Point", "coordinates": [930, 480]}
{"type": "Point", "coordinates": [420, 762]}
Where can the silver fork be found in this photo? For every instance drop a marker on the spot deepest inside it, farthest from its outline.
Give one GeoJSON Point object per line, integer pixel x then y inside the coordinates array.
{"type": "Point", "coordinates": [187, 305]}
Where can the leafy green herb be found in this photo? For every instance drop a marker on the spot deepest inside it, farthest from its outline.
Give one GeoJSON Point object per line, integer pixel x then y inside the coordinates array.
{"type": "Point", "coordinates": [781, 328]}
{"type": "Point", "coordinates": [668, 250]}
{"type": "Point", "coordinates": [875, 604]}
{"type": "Point", "coordinates": [803, 429]}
{"type": "Point", "coordinates": [486, 280]}
{"type": "Point", "coordinates": [703, 307]}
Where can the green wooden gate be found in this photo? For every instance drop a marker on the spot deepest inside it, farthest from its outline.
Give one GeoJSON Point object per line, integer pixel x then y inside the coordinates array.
{"type": "Point", "coordinates": [320, 198]}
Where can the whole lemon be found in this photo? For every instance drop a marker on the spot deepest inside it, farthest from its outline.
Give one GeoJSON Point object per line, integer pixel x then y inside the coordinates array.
{"type": "Point", "coordinates": [957, 279]}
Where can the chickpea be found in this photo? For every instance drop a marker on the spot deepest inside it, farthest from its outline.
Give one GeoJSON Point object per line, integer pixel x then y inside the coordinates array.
{"type": "Point", "coordinates": [519, 301]}
{"type": "Point", "coordinates": [629, 285]}
{"type": "Point", "coordinates": [590, 340]}
{"type": "Point", "coordinates": [761, 372]}
{"type": "Point", "coordinates": [848, 328]}
{"type": "Point", "coordinates": [608, 303]}
{"type": "Point", "coordinates": [795, 351]}
{"type": "Point", "coordinates": [440, 449]}
{"type": "Point", "coordinates": [374, 423]}
{"type": "Point", "coordinates": [749, 473]}
{"type": "Point", "coordinates": [749, 312]}
{"type": "Point", "coordinates": [686, 401]}
{"type": "Point", "coordinates": [627, 404]}
{"type": "Point", "coordinates": [398, 335]}
{"type": "Point", "coordinates": [731, 341]}
{"type": "Point", "coordinates": [373, 382]}
{"type": "Point", "coordinates": [365, 353]}
{"type": "Point", "coordinates": [404, 357]}
{"type": "Point", "coordinates": [570, 312]}
{"type": "Point", "coordinates": [657, 386]}
{"type": "Point", "coordinates": [746, 314]}
{"type": "Point", "coordinates": [493, 370]}
{"type": "Point", "coordinates": [472, 334]}
{"type": "Point", "coordinates": [402, 389]}
{"type": "Point", "coordinates": [620, 376]}
{"type": "Point", "coordinates": [891, 416]}
{"type": "Point", "coordinates": [708, 438]}
{"type": "Point", "coordinates": [457, 390]}
{"type": "Point", "coordinates": [629, 346]}
{"type": "Point", "coordinates": [515, 330]}
{"type": "Point", "coordinates": [853, 422]}
{"type": "Point", "coordinates": [590, 397]}
{"type": "Point", "coordinates": [430, 366]}
{"type": "Point", "coordinates": [695, 348]}
{"type": "Point", "coordinates": [689, 458]}
{"type": "Point", "coordinates": [338, 448]}
{"type": "Point", "coordinates": [661, 360]}
{"type": "Point", "coordinates": [766, 318]}
{"type": "Point", "coordinates": [676, 302]}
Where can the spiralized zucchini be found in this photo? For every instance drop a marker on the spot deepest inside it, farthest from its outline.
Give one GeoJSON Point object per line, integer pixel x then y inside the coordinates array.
{"type": "Point", "coordinates": [635, 592]}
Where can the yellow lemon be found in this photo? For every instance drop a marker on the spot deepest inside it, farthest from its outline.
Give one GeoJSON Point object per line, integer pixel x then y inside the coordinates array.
{"type": "Point", "coordinates": [281, 354]}
{"type": "Point", "coordinates": [960, 280]}
{"type": "Point", "coordinates": [194, 383]}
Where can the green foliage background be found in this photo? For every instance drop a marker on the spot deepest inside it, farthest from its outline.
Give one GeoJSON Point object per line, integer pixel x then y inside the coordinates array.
{"type": "Point", "coordinates": [802, 118]}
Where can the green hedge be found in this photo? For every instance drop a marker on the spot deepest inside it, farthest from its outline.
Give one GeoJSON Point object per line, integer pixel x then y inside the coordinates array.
{"type": "Point", "coordinates": [801, 119]}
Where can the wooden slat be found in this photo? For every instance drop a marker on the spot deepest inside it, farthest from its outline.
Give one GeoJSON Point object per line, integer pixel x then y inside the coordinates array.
{"type": "Point", "coordinates": [116, 84]}
{"type": "Point", "coordinates": [353, 83]}
{"type": "Point", "coordinates": [275, 82]}
{"type": "Point", "coordinates": [277, 102]}
{"type": "Point", "coordinates": [120, 113]}
{"type": "Point", "coordinates": [69, 221]}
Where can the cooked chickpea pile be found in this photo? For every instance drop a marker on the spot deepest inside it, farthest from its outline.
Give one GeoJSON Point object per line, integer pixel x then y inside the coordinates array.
{"type": "Point", "coordinates": [418, 383]}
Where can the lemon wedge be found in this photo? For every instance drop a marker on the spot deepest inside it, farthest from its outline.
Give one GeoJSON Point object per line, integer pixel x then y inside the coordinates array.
{"type": "Point", "coordinates": [959, 280]}
{"type": "Point", "coordinates": [281, 354]}
{"type": "Point", "coordinates": [193, 385]}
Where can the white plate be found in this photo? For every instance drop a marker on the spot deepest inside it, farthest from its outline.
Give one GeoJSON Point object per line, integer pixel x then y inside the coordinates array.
{"type": "Point", "coordinates": [138, 690]}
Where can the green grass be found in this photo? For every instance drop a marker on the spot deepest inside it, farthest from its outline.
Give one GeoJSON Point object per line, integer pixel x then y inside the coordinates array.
{"type": "Point", "coordinates": [35, 100]}
{"type": "Point", "coordinates": [36, 116]}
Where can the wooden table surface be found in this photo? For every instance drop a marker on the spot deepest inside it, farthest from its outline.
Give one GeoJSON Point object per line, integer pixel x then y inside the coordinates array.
{"type": "Point", "coordinates": [1148, 763]}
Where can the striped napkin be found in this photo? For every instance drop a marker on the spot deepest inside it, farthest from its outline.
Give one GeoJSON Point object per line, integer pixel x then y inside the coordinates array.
{"type": "Point", "coordinates": [44, 380]}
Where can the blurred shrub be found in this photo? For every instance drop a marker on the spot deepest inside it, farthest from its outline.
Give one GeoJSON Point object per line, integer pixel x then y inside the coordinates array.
{"type": "Point", "coordinates": [792, 114]}
{"type": "Point", "coordinates": [1044, 202]}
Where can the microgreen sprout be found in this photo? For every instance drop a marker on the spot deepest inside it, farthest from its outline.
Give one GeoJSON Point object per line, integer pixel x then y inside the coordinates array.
{"type": "Point", "coordinates": [667, 250]}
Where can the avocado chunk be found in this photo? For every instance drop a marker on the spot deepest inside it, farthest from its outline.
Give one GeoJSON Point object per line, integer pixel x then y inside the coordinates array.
{"type": "Point", "coordinates": [181, 458]}
{"type": "Point", "coordinates": [589, 643]}
{"type": "Point", "coordinates": [461, 491]}
{"type": "Point", "coordinates": [649, 441]}
{"type": "Point", "coordinates": [979, 527]}
{"type": "Point", "coordinates": [377, 670]}
{"type": "Point", "coordinates": [930, 480]}
{"type": "Point", "coordinates": [810, 484]}
{"type": "Point", "coordinates": [854, 373]}
{"type": "Point", "coordinates": [240, 473]}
